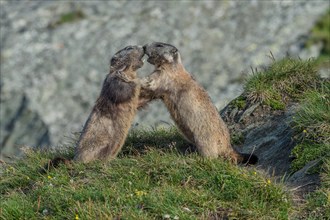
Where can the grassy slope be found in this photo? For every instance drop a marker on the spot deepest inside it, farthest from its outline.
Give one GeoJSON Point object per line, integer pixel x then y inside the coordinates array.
{"type": "Point", "coordinates": [148, 183]}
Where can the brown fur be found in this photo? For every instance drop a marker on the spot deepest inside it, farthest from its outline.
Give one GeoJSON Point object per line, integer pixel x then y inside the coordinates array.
{"type": "Point", "coordinates": [188, 103]}
{"type": "Point", "coordinates": [107, 126]}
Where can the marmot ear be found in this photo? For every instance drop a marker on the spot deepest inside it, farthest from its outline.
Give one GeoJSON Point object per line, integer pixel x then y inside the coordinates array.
{"type": "Point", "coordinates": [177, 57]}
{"type": "Point", "coordinates": [168, 57]}
{"type": "Point", "coordinates": [113, 59]}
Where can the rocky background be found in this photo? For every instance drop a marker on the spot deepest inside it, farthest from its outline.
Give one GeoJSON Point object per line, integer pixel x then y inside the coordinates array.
{"type": "Point", "coordinates": [55, 54]}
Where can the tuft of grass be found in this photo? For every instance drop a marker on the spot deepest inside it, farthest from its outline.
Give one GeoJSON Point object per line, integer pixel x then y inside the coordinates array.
{"type": "Point", "coordinates": [312, 122]}
{"type": "Point", "coordinates": [321, 34]}
{"type": "Point", "coordinates": [313, 116]}
{"type": "Point", "coordinates": [237, 138]}
{"type": "Point", "coordinates": [151, 184]}
{"type": "Point", "coordinates": [239, 102]}
{"type": "Point", "coordinates": [283, 81]}
{"type": "Point", "coordinates": [68, 18]}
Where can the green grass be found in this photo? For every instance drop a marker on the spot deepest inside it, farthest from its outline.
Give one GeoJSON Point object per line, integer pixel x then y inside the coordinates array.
{"type": "Point", "coordinates": [239, 102]}
{"type": "Point", "coordinates": [320, 34]}
{"type": "Point", "coordinates": [283, 81]}
{"type": "Point", "coordinates": [237, 138]}
{"type": "Point", "coordinates": [148, 183]}
{"type": "Point", "coordinates": [68, 18]}
{"type": "Point", "coordinates": [312, 122]}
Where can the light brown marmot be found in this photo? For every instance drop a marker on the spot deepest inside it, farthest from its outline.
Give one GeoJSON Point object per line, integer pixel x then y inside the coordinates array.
{"type": "Point", "coordinates": [189, 104]}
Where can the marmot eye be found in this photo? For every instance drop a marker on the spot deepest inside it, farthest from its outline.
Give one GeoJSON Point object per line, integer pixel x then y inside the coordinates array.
{"type": "Point", "coordinates": [129, 48]}
{"type": "Point", "coordinates": [159, 45]}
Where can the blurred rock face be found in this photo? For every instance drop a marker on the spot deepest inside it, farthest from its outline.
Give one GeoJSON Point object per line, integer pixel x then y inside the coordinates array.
{"type": "Point", "coordinates": [54, 55]}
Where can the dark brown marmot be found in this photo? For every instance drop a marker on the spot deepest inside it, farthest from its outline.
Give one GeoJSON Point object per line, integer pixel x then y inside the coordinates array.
{"type": "Point", "coordinates": [107, 126]}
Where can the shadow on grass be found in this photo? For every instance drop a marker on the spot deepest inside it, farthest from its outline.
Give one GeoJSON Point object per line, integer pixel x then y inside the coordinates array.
{"type": "Point", "coordinates": [164, 139]}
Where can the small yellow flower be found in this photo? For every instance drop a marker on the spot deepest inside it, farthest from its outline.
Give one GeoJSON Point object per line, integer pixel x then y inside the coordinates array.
{"type": "Point", "coordinates": [77, 217]}
{"type": "Point", "coordinates": [304, 131]}
{"type": "Point", "coordinates": [255, 173]}
{"type": "Point", "coordinates": [27, 178]}
{"type": "Point", "coordinates": [268, 182]}
{"type": "Point", "coordinates": [49, 177]}
{"type": "Point", "coordinates": [10, 169]}
{"type": "Point", "coordinates": [140, 193]}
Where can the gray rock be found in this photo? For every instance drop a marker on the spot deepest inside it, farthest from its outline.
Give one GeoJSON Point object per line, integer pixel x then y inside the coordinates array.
{"type": "Point", "coordinates": [267, 133]}
{"type": "Point", "coordinates": [52, 68]}
{"type": "Point", "coordinates": [303, 175]}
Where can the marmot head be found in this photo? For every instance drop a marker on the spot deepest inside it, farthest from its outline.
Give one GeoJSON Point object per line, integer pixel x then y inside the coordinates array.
{"type": "Point", "coordinates": [128, 58]}
{"type": "Point", "coordinates": [162, 53]}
